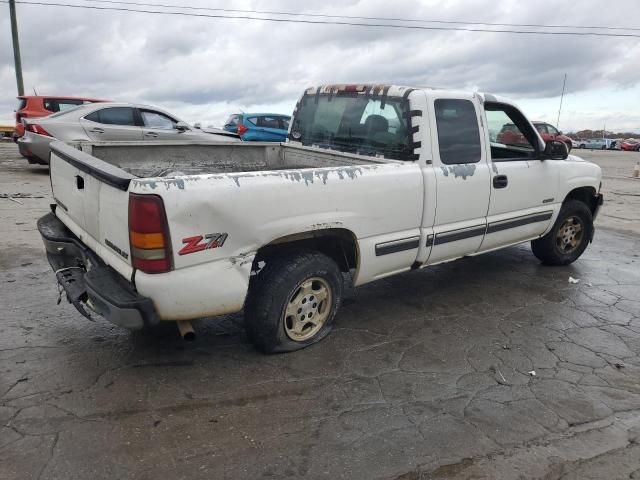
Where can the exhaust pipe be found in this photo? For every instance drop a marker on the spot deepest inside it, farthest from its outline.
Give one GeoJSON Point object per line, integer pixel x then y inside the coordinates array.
{"type": "Point", "coordinates": [186, 330]}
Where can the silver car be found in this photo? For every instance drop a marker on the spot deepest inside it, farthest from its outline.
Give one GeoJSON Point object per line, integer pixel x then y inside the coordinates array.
{"type": "Point", "coordinates": [597, 144]}
{"type": "Point", "coordinates": [109, 122]}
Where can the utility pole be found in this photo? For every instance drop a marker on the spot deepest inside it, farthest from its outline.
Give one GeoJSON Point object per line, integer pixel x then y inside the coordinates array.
{"type": "Point", "coordinates": [16, 46]}
{"type": "Point", "coordinates": [561, 97]}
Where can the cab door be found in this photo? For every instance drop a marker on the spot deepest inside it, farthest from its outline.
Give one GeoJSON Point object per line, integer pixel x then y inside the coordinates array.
{"type": "Point", "coordinates": [524, 188]}
{"type": "Point", "coordinates": [462, 177]}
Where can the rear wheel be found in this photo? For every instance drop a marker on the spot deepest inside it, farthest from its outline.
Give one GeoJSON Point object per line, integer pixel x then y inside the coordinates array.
{"type": "Point", "coordinates": [569, 236]}
{"type": "Point", "coordinates": [292, 301]}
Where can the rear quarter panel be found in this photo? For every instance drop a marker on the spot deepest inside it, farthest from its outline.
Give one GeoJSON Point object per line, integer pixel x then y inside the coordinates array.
{"type": "Point", "coordinates": [376, 203]}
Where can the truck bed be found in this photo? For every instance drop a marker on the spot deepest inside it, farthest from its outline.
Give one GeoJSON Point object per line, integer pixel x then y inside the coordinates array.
{"type": "Point", "coordinates": [145, 160]}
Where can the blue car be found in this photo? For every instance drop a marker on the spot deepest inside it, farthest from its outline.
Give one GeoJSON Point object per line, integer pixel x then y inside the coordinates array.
{"type": "Point", "coordinates": [259, 127]}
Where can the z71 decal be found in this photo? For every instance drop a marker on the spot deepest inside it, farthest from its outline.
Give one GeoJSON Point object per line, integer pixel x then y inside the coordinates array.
{"type": "Point", "coordinates": [200, 242]}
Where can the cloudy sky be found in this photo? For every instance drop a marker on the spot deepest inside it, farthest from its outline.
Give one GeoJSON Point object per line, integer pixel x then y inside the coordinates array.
{"type": "Point", "coordinates": [203, 69]}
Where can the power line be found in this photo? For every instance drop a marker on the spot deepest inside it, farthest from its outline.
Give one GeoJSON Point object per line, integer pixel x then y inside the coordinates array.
{"type": "Point", "coordinates": [325, 22]}
{"type": "Point", "coordinates": [353, 17]}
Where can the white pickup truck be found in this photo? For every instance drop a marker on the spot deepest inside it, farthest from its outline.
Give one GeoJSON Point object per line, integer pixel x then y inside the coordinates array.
{"type": "Point", "coordinates": [374, 180]}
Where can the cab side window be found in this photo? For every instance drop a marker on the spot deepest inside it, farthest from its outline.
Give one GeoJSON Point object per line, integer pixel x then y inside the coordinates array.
{"type": "Point", "coordinates": [511, 135]}
{"type": "Point", "coordinates": [458, 131]}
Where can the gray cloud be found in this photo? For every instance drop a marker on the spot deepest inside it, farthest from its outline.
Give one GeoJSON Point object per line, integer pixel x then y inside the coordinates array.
{"type": "Point", "coordinates": [211, 67]}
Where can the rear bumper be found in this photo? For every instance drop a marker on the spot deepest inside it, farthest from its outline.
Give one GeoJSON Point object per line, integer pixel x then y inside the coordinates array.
{"type": "Point", "coordinates": [35, 147]}
{"type": "Point", "coordinates": [89, 283]}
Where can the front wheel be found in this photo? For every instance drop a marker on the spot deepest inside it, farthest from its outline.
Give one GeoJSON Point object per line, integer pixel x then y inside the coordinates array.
{"type": "Point", "coordinates": [293, 301]}
{"type": "Point", "coordinates": [569, 236]}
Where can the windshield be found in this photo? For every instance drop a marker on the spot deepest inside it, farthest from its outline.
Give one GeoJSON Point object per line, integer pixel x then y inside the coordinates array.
{"type": "Point", "coordinates": [355, 124]}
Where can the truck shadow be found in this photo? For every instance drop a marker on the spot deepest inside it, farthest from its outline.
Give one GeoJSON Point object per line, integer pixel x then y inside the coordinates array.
{"type": "Point", "coordinates": [388, 308]}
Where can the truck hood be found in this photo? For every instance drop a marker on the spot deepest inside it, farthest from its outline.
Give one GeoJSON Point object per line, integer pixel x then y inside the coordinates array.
{"type": "Point", "coordinates": [575, 158]}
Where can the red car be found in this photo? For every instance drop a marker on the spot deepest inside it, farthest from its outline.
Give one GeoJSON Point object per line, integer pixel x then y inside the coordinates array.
{"type": "Point", "coordinates": [630, 146]}
{"type": "Point", "coordinates": [32, 106]}
{"type": "Point", "coordinates": [510, 134]}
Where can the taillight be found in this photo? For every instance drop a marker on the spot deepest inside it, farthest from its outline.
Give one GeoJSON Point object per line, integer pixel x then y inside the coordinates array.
{"type": "Point", "coordinates": [242, 129]}
{"type": "Point", "coordinates": [149, 234]}
{"type": "Point", "coordinates": [35, 128]}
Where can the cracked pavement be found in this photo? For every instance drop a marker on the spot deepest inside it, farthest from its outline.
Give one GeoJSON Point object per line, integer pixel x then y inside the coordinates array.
{"type": "Point", "coordinates": [426, 375]}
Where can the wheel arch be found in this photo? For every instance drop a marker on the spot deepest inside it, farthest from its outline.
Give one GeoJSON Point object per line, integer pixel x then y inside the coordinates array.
{"type": "Point", "coordinates": [339, 244]}
{"type": "Point", "coordinates": [586, 194]}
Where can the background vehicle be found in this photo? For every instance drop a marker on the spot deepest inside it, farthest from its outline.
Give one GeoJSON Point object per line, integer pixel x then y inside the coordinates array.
{"type": "Point", "coordinates": [630, 146]}
{"type": "Point", "coordinates": [7, 131]}
{"type": "Point", "coordinates": [597, 143]}
{"type": "Point", "coordinates": [508, 136]}
{"type": "Point", "coordinates": [34, 106]}
{"type": "Point", "coordinates": [107, 122]}
{"type": "Point", "coordinates": [259, 127]}
{"type": "Point", "coordinates": [272, 228]}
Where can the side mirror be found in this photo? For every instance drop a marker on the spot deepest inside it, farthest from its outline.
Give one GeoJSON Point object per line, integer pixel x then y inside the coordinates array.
{"type": "Point", "coordinates": [555, 150]}
{"type": "Point", "coordinates": [182, 127]}
{"type": "Point", "coordinates": [560, 132]}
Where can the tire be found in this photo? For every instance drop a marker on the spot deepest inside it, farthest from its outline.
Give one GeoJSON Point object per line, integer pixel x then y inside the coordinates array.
{"type": "Point", "coordinates": [569, 236]}
{"type": "Point", "coordinates": [604, 147]}
{"type": "Point", "coordinates": [582, 146]}
{"type": "Point", "coordinates": [285, 288]}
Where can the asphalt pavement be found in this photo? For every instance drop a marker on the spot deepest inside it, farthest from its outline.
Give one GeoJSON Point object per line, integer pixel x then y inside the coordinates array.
{"type": "Point", "coordinates": [488, 367]}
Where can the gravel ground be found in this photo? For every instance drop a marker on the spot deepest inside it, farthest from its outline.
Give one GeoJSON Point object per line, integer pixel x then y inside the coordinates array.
{"type": "Point", "coordinates": [426, 375]}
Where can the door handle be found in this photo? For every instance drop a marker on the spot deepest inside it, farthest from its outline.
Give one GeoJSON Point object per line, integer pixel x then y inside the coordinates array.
{"type": "Point", "coordinates": [500, 181]}
{"type": "Point", "coordinates": [96, 130]}
{"type": "Point", "coordinates": [151, 134]}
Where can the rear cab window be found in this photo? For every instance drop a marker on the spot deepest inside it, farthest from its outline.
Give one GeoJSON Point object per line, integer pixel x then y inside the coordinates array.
{"type": "Point", "coordinates": [458, 131]}
{"type": "Point", "coordinates": [355, 124]}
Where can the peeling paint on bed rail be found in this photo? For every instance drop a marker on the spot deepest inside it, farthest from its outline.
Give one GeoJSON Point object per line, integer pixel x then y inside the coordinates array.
{"type": "Point", "coordinates": [308, 176]}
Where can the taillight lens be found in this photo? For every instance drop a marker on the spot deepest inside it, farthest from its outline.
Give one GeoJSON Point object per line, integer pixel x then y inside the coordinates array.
{"type": "Point", "coordinates": [35, 128]}
{"type": "Point", "coordinates": [242, 129]}
{"type": "Point", "coordinates": [149, 234]}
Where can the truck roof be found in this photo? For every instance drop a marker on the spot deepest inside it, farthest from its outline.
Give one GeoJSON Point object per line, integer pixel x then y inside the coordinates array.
{"type": "Point", "coordinates": [387, 89]}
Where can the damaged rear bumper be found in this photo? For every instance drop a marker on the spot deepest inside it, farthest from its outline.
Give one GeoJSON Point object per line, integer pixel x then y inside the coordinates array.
{"type": "Point", "coordinates": [89, 283]}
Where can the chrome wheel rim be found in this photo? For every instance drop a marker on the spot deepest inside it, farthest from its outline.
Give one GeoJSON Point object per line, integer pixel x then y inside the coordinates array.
{"type": "Point", "coordinates": [569, 235]}
{"type": "Point", "coordinates": [307, 309]}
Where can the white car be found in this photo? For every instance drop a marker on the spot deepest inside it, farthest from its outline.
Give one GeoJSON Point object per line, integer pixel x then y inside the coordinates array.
{"type": "Point", "coordinates": [108, 121]}
{"type": "Point", "coordinates": [374, 180]}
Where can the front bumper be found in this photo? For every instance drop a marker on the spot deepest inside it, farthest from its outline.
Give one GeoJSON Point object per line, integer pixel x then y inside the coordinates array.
{"type": "Point", "coordinates": [599, 200]}
{"type": "Point", "coordinates": [89, 283]}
